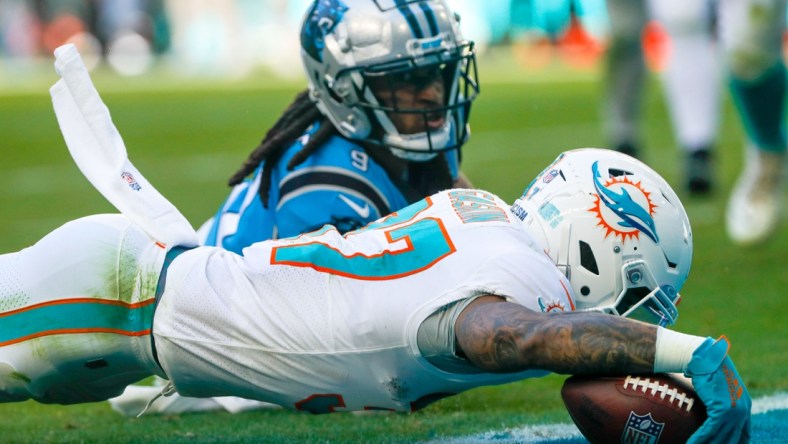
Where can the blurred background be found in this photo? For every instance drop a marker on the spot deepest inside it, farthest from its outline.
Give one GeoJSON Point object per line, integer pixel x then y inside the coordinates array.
{"type": "Point", "coordinates": [233, 38]}
{"type": "Point", "coordinates": [198, 82]}
{"type": "Point", "coordinates": [193, 85]}
{"type": "Point", "coordinates": [223, 71]}
{"type": "Point", "coordinates": [236, 65]}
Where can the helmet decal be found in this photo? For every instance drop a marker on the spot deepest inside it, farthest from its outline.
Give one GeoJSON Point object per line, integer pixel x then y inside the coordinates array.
{"type": "Point", "coordinates": [547, 175]}
{"type": "Point", "coordinates": [623, 215]}
{"type": "Point", "coordinates": [430, 15]}
{"type": "Point", "coordinates": [404, 7]}
{"type": "Point", "coordinates": [321, 20]}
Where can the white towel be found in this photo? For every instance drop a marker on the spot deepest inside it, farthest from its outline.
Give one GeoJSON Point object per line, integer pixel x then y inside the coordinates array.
{"type": "Point", "coordinates": [99, 152]}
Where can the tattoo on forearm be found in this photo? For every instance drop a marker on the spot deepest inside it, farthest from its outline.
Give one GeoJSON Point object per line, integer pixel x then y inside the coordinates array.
{"type": "Point", "coordinates": [507, 337]}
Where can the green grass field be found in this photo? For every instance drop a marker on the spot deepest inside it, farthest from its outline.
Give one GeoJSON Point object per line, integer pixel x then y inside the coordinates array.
{"type": "Point", "coordinates": [188, 139]}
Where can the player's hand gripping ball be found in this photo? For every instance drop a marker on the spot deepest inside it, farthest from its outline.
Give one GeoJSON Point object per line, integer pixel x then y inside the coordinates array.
{"type": "Point", "coordinates": [633, 409]}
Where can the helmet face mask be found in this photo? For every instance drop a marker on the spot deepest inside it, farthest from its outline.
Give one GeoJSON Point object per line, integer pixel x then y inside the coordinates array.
{"type": "Point", "coordinates": [616, 229]}
{"type": "Point", "coordinates": [642, 297]}
{"type": "Point", "coordinates": [369, 64]}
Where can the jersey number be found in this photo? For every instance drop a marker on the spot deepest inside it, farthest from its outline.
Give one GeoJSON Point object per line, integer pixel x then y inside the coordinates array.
{"type": "Point", "coordinates": [421, 244]}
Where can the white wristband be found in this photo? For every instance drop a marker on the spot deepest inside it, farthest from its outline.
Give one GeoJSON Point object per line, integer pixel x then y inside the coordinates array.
{"type": "Point", "coordinates": [674, 350]}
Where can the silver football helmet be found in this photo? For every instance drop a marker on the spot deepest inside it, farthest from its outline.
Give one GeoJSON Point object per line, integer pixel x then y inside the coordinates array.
{"type": "Point", "coordinates": [616, 229]}
{"type": "Point", "coordinates": [348, 44]}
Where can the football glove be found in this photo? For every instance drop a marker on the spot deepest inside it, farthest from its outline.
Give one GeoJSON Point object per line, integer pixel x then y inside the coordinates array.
{"type": "Point", "coordinates": [722, 390]}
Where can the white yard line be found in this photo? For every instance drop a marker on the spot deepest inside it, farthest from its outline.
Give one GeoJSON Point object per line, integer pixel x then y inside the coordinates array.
{"type": "Point", "coordinates": [764, 404]}
{"type": "Point", "coordinates": [528, 434]}
{"type": "Point", "coordinates": [551, 432]}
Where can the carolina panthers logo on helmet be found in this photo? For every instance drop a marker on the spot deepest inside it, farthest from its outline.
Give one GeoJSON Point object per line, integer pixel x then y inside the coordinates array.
{"type": "Point", "coordinates": [321, 20]}
{"type": "Point", "coordinates": [623, 207]}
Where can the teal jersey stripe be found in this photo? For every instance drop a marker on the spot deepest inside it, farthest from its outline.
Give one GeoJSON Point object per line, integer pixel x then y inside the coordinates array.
{"type": "Point", "coordinates": [76, 316]}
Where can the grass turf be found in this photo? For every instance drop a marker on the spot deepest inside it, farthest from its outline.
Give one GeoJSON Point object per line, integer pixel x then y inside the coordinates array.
{"type": "Point", "coordinates": [187, 140]}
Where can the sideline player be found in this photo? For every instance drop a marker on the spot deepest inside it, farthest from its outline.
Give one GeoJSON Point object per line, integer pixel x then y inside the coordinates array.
{"type": "Point", "coordinates": [381, 126]}
{"type": "Point", "coordinates": [690, 81]}
{"type": "Point", "coordinates": [752, 35]}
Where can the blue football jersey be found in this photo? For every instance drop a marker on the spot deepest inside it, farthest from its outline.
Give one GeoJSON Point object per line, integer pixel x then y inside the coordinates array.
{"type": "Point", "coordinates": [339, 184]}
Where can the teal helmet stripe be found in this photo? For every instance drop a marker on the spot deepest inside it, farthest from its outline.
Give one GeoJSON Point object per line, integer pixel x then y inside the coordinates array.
{"type": "Point", "coordinates": [431, 20]}
{"type": "Point", "coordinates": [404, 9]}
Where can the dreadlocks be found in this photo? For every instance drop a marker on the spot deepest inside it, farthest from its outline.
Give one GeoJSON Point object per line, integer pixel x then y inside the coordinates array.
{"type": "Point", "coordinates": [299, 116]}
{"type": "Point", "coordinates": [421, 178]}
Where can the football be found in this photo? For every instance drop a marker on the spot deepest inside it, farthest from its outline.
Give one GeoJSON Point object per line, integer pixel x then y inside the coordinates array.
{"type": "Point", "coordinates": [657, 408]}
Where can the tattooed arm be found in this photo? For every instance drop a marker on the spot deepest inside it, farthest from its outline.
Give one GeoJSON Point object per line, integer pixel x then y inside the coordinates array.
{"type": "Point", "coordinates": [501, 336]}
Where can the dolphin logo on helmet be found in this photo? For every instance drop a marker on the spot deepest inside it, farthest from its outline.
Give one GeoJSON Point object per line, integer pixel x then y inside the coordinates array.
{"type": "Point", "coordinates": [632, 214]}
{"type": "Point", "coordinates": [620, 272]}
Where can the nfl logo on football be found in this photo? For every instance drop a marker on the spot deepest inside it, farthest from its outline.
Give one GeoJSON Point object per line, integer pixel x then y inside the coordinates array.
{"type": "Point", "coordinates": [641, 430]}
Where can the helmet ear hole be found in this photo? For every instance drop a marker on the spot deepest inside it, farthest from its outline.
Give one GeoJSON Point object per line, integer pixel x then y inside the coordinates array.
{"type": "Point", "coordinates": [587, 259]}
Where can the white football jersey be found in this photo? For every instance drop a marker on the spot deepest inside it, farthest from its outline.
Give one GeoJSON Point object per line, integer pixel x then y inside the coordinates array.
{"type": "Point", "coordinates": [324, 322]}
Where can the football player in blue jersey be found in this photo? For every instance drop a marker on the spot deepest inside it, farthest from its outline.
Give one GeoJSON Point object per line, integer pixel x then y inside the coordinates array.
{"type": "Point", "coordinates": [381, 125]}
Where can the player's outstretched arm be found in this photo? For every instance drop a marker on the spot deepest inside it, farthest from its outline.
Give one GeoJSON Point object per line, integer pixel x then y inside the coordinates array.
{"type": "Point", "coordinates": [499, 336]}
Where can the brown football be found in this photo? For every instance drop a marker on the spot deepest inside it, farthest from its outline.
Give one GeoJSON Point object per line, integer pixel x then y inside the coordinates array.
{"type": "Point", "coordinates": [657, 408]}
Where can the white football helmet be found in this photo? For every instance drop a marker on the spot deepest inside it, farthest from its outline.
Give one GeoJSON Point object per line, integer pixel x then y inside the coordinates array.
{"type": "Point", "coordinates": [347, 43]}
{"type": "Point", "coordinates": [616, 229]}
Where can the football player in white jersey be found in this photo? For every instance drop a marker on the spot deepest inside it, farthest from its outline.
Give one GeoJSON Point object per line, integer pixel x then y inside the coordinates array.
{"type": "Point", "coordinates": [381, 126]}
{"type": "Point", "coordinates": [453, 292]}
